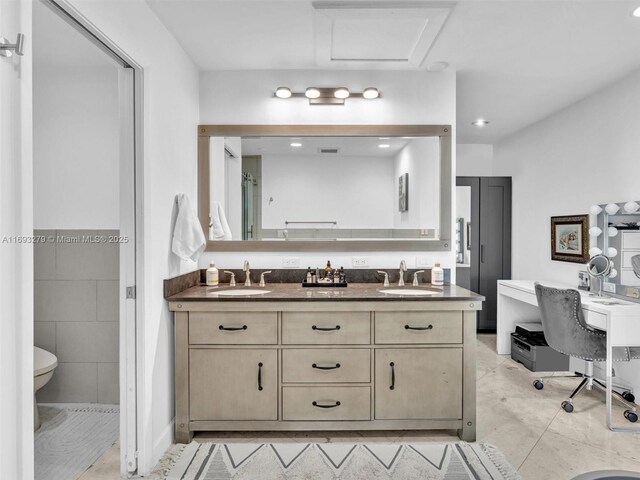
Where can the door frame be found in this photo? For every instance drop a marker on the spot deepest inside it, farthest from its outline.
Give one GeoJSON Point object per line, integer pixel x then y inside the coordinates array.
{"type": "Point", "coordinates": [133, 449]}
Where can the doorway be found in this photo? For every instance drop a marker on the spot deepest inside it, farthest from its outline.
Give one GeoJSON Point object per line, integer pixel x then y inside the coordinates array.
{"type": "Point", "coordinates": [483, 240]}
{"type": "Point", "coordinates": [85, 109]}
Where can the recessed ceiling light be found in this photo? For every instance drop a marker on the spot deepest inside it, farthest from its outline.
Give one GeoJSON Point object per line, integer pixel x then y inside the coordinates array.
{"type": "Point", "coordinates": [384, 145]}
{"type": "Point", "coordinates": [341, 93]}
{"type": "Point", "coordinates": [383, 138]}
{"type": "Point", "coordinates": [636, 12]}
{"type": "Point", "coordinates": [481, 122]}
{"type": "Point", "coordinates": [283, 92]}
{"type": "Point", "coordinates": [437, 66]}
{"type": "Point", "coordinates": [370, 93]}
{"type": "Point", "coordinates": [312, 92]}
{"type": "Point", "coordinates": [296, 144]}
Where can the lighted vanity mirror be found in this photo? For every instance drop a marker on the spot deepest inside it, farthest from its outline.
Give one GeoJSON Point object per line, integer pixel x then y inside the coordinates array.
{"type": "Point", "coordinates": [325, 187]}
{"type": "Point", "coordinates": [615, 232]}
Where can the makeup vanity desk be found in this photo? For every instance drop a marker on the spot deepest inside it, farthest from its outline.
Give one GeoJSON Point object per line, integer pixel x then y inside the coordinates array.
{"type": "Point", "coordinates": [517, 303]}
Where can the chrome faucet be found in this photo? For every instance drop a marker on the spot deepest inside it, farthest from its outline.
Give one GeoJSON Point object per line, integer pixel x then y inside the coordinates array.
{"type": "Point", "coordinates": [232, 282]}
{"type": "Point", "coordinates": [403, 268]}
{"type": "Point", "coordinates": [247, 271]}
{"type": "Point", "coordinates": [415, 278]}
{"type": "Point", "coordinates": [386, 278]}
{"type": "Point", "coordinates": [262, 283]}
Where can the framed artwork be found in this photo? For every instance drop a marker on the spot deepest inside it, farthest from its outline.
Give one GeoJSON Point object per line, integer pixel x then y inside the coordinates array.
{"type": "Point", "coordinates": [570, 239]}
{"type": "Point", "coordinates": [403, 192]}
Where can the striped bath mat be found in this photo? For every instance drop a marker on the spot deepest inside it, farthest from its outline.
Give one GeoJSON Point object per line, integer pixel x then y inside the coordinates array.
{"type": "Point", "coordinates": [72, 438]}
{"type": "Point", "coordinates": [345, 461]}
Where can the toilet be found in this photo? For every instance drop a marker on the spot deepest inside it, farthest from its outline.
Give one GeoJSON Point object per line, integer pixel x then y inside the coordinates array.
{"type": "Point", "coordinates": [44, 363]}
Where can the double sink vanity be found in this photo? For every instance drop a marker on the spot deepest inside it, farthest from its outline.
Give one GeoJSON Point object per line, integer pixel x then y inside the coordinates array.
{"type": "Point", "coordinates": [364, 357]}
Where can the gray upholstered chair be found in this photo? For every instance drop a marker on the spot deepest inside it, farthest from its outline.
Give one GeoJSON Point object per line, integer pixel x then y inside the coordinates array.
{"type": "Point", "coordinates": [566, 331]}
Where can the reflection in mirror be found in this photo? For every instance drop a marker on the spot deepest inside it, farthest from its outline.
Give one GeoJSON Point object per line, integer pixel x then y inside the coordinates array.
{"type": "Point", "coordinates": [324, 188]}
{"type": "Point", "coordinates": [618, 237]}
{"type": "Point", "coordinates": [600, 267]}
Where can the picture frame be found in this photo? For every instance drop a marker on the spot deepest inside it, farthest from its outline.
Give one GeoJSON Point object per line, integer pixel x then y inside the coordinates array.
{"type": "Point", "coordinates": [570, 238]}
{"type": "Point", "coordinates": [403, 192]}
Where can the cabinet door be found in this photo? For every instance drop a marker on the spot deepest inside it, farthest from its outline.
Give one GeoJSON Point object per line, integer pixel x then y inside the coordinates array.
{"type": "Point", "coordinates": [233, 384]}
{"type": "Point", "coordinates": [415, 383]}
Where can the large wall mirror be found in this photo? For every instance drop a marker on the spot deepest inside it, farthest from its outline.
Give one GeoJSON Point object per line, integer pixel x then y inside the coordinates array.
{"type": "Point", "coordinates": [617, 233]}
{"type": "Point", "coordinates": [325, 188]}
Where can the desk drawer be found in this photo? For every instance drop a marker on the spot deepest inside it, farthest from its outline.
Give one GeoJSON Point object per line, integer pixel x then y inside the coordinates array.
{"type": "Point", "coordinates": [327, 365]}
{"type": "Point", "coordinates": [418, 327]}
{"type": "Point", "coordinates": [326, 403]}
{"type": "Point", "coordinates": [326, 328]}
{"type": "Point", "coordinates": [233, 328]}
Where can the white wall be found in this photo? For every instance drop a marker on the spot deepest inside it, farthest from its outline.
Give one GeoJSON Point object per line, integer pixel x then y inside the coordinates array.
{"type": "Point", "coordinates": [586, 154]}
{"type": "Point", "coordinates": [246, 97]}
{"type": "Point", "coordinates": [170, 151]}
{"type": "Point", "coordinates": [76, 148]}
{"type": "Point", "coordinates": [420, 158]}
{"type": "Point", "coordinates": [357, 192]}
{"type": "Point", "coordinates": [16, 259]}
{"type": "Point", "coordinates": [474, 160]}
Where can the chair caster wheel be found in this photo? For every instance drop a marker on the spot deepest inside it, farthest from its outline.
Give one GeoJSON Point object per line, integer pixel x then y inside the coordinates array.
{"type": "Point", "coordinates": [538, 384]}
{"type": "Point", "coordinates": [629, 397]}
{"type": "Point", "coordinates": [631, 416]}
{"type": "Point", "coordinates": [567, 406]}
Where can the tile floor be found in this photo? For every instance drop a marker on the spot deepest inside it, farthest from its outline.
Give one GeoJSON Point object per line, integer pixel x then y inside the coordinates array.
{"type": "Point", "coordinates": [529, 426]}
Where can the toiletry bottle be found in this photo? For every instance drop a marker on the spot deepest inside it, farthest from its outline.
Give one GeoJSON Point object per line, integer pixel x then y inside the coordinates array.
{"type": "Point", "coordinates": [314, 277]}
{"type": "Point", "coordinates": [343, 276]}
{"type": "Point", "coordinates": [328, 271]}
{"type": "Point", "coordinates": [212, 275]}
{"type": "Point", "coordinates": [437, 275]}
{"type": "Point", "coordinates": [308, 279]}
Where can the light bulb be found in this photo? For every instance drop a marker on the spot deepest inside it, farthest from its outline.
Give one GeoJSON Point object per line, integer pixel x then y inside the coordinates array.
{"type": "Point", "coordinates": [283, 92]}
{"type": "Point", "coordinates": [612, 209]}
{"type": "Point", "coordinates": [612, 231]}
{"type": "Point", "coordinates": [312, 92]}
{"type": "Point", "coordinates": [613, 273]}
{"type": "Point", "coordinates": [595, 210]}
{"type": "Point", "coordinates": [611, 252]}
{"type": "Point", "coordinates": [594, 251]}
{"type": "Point", "coordinates": [370, 93]}
{"type": "Point", "coordinates": [631, 207]}
{"type": "Point", "coordinates": [595, 231]}
{"type": "Point", "coordinates": [341, 93]}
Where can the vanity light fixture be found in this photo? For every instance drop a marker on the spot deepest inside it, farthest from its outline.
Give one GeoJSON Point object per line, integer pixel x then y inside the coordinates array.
{"type": "Point", "coordinates": [611, 252]}
{"type": "Point", "coordinates": [327, 95]}
{"type": "Point", "coordinates": [595, 210]}
{"type": "Point", "coordinates": [631, 207]}
{"type": "Point", "coordinates": [612, 231]}
{"type": "Point", "coordinates": [612, 209]}
{"type": "Point", "coordinates": [296, 144]}
{"type": "Point", "coordinates": [595, 231]}
{"type": "Point", "coordinates": [481, 122]}
{"type": "Point", "coordinates": [636, 12]}
{"type": "Point", "coordinates": [384, 145]}
{"type": "Point", "coordinates": [593, 251]}
{"type": "Point", "coordinates": [283, 92]}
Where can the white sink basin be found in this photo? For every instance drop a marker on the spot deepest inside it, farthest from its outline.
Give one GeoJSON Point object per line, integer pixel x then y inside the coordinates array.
{"type": "Point", "coordinates": [410, 291]}
{"type": "Point", "coordinates": [243, 292]}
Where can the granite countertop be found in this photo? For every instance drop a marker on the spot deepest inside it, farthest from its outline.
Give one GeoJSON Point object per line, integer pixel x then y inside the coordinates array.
{"type": "Point", "coordinates": [294, 292]}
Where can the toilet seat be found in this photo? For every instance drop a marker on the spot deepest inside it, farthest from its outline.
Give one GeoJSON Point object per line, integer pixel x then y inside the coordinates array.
{"type": "Point", "coordinates": [43, 362]}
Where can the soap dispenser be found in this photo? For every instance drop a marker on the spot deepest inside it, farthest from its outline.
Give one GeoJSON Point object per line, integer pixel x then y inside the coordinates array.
{"type": "Point", "coordinates": [212, 275]}
{"type": "Point", "coordinates": [437, 275]}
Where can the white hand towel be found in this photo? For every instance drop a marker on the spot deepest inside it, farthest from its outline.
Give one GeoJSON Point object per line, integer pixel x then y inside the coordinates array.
{"type": "Point", "coordinates": [219, 227]}
{"type": "Point", "coordinates": [188, 238]}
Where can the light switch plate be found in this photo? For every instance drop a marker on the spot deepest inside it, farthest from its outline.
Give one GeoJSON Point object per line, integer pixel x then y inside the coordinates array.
{"type": "Point", "coordinates": [424, 262]}
{"type": "Point", "coordinates": [290, 262]}
{"type": "Point", "coordinates": [359, 262]}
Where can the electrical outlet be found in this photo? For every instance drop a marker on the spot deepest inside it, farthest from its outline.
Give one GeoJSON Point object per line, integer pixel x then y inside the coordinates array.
{"type": "Point", "coordinates": [609, 287]}
{"type": "Point", "coordinates": [633, 292]}
{"type": "Point", "coordinates": [359, 262]}
{"type": "Point", "coordinates": [424, 262]}
{"type": "Point", "coordinates": [290, 262]}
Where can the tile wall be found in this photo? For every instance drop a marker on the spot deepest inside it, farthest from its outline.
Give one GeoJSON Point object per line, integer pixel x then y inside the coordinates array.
{"type": "Point", "coordinates": [76, 315]}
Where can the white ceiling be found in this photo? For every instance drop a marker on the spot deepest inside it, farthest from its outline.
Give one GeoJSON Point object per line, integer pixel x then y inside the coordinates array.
{"type": "Point", "coordinates": [517, 61]}
{"type": "Point", "coordinates": [57, 44]}
{"type": "Point", "coordinates": [348, 146]}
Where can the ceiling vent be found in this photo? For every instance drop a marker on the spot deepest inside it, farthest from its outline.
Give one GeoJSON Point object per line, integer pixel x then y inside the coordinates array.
{"type": "Point", "coordinates": [369, 34]}
{"type": "Point", "coordinates": [329, 150]}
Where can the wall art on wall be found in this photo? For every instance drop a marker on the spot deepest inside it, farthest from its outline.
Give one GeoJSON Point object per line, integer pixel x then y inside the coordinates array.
{"type": "Point", "coordinates": [570, 239]}
{"type": "Point", "coordinates": [403, 192]}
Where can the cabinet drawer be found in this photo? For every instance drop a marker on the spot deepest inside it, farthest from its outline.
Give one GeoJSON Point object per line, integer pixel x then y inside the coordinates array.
{"type": "Point", "coordinates": [328, 328]}
{"type": "Point", "coordinates": [418, 327]}
{"type": "Point", "coordinates": [330, 365]}
{"type": "Point", "coordinates": [326, 403]}
{"type": "Point", "coordinates": [233, 328]}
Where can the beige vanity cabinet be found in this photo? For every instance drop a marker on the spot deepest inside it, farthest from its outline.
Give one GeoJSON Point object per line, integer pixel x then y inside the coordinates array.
{"type": "Point", "coordinates": [325, 365]}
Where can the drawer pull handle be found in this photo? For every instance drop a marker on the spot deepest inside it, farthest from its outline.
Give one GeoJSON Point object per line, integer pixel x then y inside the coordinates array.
{"type": "Point", "coordinates": [260, 376]}
{"type": "Point", "coordinates": [428, 327]}
{"type": "Point", "coordinates": [232, 329]}
{"type": "Point", "coordinates": [316, 404]}
{"type": "Point", "coordinates": [320, 367]}
{"type": "Point", "coordinates": [393, 376]}
{"type": "Point", "coordinates": [325, 329]}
